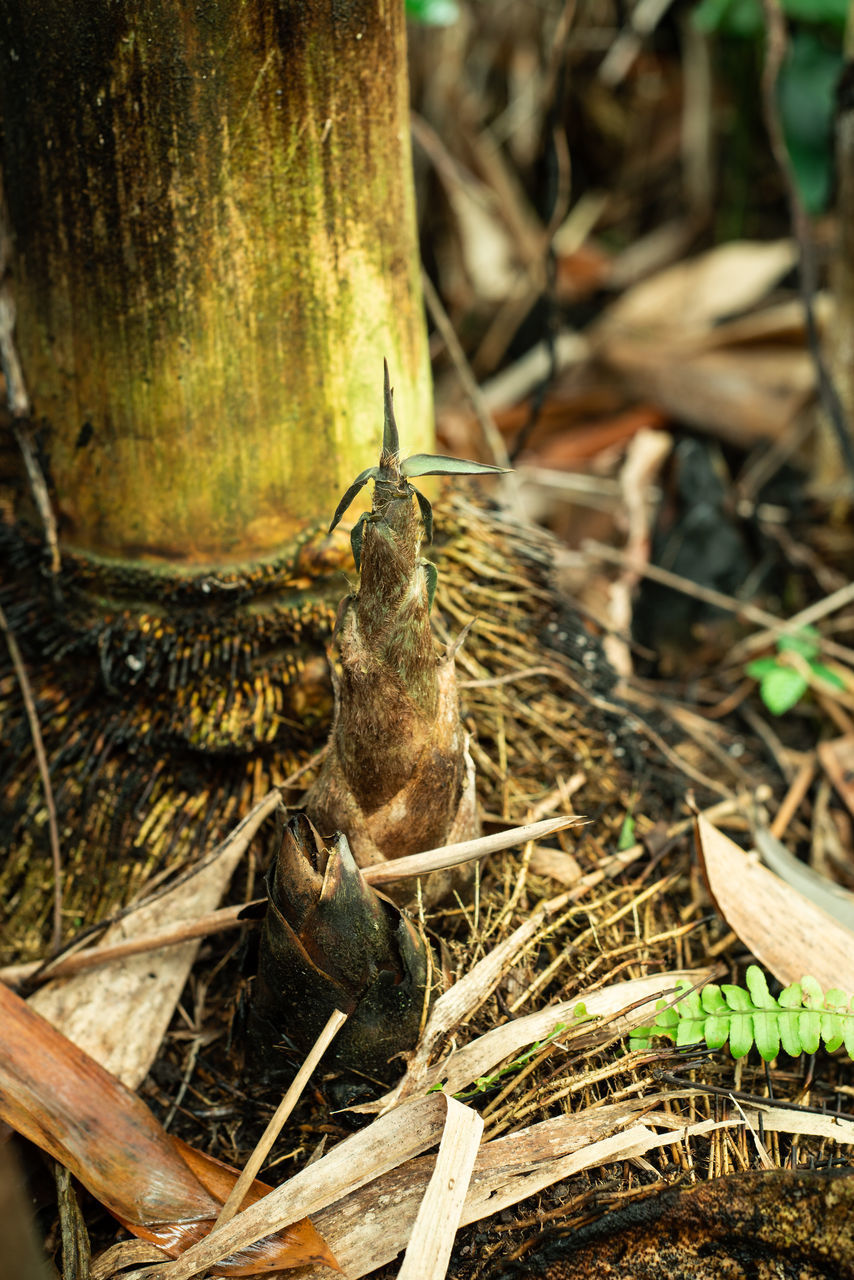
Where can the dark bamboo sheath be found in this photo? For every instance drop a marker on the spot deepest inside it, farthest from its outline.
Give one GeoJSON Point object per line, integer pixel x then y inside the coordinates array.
{"type": "Point", "coordinates": [213, 248]}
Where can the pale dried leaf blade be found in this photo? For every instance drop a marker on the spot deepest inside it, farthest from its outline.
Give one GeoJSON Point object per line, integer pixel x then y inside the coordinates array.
{"type": "Point", "coordinates": [693, 294]}
{"type": "Point", "coordinates": [119, 1013]}
{"type": "Point", "coordinates": [452, 855]}
{"type": "Point", "coordinates": [393, 1139]}
{"type": "Point", "coordinates": [823, 893]}
{"type": "Point", "coordinates": [432, 1239]}
{"type": "Point", "coordinates": [786, 932]}
{"type": "Point", "coordinates": [369, 1228]}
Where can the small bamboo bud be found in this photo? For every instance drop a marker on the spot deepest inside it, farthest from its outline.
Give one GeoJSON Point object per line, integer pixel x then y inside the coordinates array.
{"type": "Point", "coordinates": [331, 941]}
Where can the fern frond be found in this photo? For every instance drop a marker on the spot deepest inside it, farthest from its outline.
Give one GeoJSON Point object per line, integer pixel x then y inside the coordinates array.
{"type": "Point", "coordinates": [798, 1020]}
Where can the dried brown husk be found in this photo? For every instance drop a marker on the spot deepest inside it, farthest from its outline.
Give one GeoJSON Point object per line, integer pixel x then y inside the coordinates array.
{"type": "Point", "coordinates": [398, 777]}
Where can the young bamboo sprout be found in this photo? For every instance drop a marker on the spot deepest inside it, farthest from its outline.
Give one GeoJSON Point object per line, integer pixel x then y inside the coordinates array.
{"type": "Point", "coordinates": [398, 777]}
{"type": "Point", "coordinates": [330, 941]}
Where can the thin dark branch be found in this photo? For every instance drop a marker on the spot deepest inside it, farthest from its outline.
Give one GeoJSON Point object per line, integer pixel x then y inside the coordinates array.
{"type": "Point", "coordinates": [831, 401]}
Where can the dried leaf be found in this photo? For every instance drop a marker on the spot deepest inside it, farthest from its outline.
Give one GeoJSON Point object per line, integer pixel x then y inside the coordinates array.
{"type": "Point", "coordinates": [66, 1103]}
{"type": "Point", "coordinates": [119, 1013]}
{"type": "Point", "coordinates": [786, 932]}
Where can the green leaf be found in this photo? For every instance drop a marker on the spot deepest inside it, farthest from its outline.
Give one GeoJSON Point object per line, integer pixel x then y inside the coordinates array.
{"type": "Point", "coordinates": [832, 1031]}
{"type": "Point", "coordinates": [716, 1029]}
{"type": "Point", "coordinates": [806, 90]}
{"type": "Point", "coordinates": [740, 1034]}
{"type": "Point", "coordinates": [627, 834]}
{"type": "Point", "coordinates": [761, 666]}
{"type": "Point", "coordinates": [742, 18]}
{"type": "Point", "coordinates": [690, 1006]}
{"type": "Point", "coordinates": [806, 642]}
{"type": "Point", "coordinates": [713, 1001]}
{"type": "Point", "coordinates": [829, 677]}
{"type": "Point", "coordinates": [391, 440]}
{"type": "Point", "coordinates": [433, 13]}
{"type": "Point", "coordinates": [833, 12]}
{"type": "Point", "coordinates": [813, 994]}
{"type": "Point", "coordinates": [690, 1031]}
{"type": "Point", "coordinates": [781, 689]}
{"type": "Point", "coordinates": [766, 1030]}
{"type": "Point", "coordinates": [437, 464]}
{"type": "Point", "coordinates": [809, 1030]}
{"type": "Point", "coordinates": [667, 1018]}
{"type": "Point", "coordinates": [791, 997]}
{"type": "Point", "coordinates": [790, 1037]}
{"type": "Point", "coordinates": [370, 473]}
{"type": "Point", "coordinates": [757, 985]}
{"type": "Point", "coordinates": [737, 999]}
{"type": "Point", "coordinates": [426, 514]}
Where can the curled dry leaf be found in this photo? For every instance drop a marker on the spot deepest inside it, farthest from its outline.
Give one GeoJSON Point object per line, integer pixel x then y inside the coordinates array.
{"type": "Point", "coordinates": [330, 942]}
{"type": "Point", "coordinates": [162, 1191]}
{"type": "Point", "coordinates": [786, 932]}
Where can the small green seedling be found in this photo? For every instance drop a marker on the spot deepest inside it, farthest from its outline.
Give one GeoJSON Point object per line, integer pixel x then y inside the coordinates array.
{"type": "Point", "coordinates": [782, 681]}
{"type": "Point", "coordinates": [797, 1021]}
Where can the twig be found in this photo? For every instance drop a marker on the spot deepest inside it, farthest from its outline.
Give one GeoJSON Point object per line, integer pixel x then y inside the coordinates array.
{"type": "Point", "coordinates": [19, 407]}
{"type": "Point", "coordinates": [829, 395]}
{"type": "Point", "coordinates": [259, 1155]}
{"type": "Point", "coordinates": [773, 627]}
{"type": "Point", "coordinates": [41, 758]}
{"type": "Point", "coordinates": [418, 864]}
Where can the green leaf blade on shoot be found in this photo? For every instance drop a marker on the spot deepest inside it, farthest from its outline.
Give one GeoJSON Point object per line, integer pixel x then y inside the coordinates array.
{"type": "Point", "coordinates": [391, 439]}
{"type": "Point", "coordinates": [848, 1034]}
{"type": "Point", "coordinates": [370, 473]}
{"type": "Point", "coordinates": [627, 834]}
{"type": "Point", "coordinates": [766, 1032]}
{"type": "Point", "coordinates": [356, 535]}
{"type": "Point", "coordinates": [438, 464]}
{"type": "Point", "coordinates": [432, 575]}
{"type": "Point", "coordinates": [813, 996]}
{"type": "Point", "coordinates": [690, 1006]}
{"type": "Point", "coordinates": [782, 689]}
{"type": "Point", "coordinates": [426, 514]}
{"type": "Point", "coordinates": [740, 1034]}
{"type": "Point", "coordinates": [760, 667]}
{"type": "Point", "coordinates": [667, 1020]}
{"type": "Point", "coordinates": [791, 997]}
